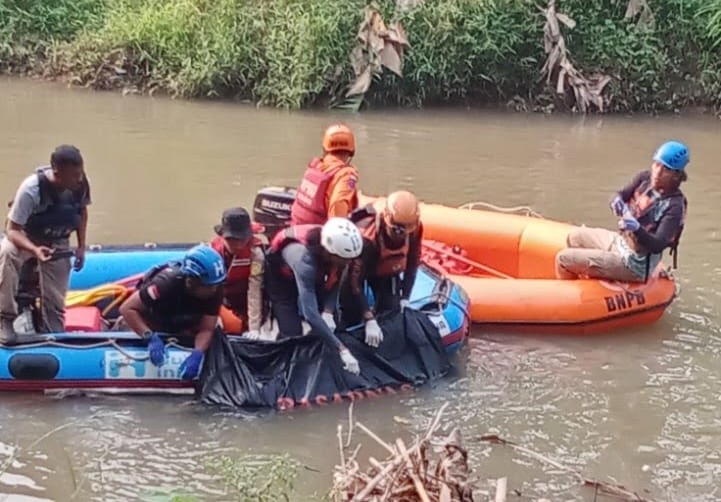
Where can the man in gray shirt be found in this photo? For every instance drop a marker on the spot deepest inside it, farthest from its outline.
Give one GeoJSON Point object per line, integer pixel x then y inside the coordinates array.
{"type": "Point", "coordinates": [49, 205]}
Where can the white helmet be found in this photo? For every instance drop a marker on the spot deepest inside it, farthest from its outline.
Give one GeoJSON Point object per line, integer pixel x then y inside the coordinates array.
{"type": "Point", "coordinates": [340, 236]}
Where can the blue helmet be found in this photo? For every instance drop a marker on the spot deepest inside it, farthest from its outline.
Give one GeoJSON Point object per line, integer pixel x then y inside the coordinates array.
{"type": "Point", "coordinates": [673, 155]}
{"type": "Point", "coordinates": [205, 263]}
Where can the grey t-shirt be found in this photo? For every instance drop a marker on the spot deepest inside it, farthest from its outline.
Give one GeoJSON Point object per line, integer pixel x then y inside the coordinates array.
{"type": "Point", "coordinates": [27, 199]}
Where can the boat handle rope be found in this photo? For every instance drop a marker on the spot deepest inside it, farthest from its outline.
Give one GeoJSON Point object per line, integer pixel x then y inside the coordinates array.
{"type": "Point", "coordinates": [523, 210]}
{"type": "Point", "coordinates": [447, 299]}
{"type": "Point", "coordinates": [112, 342]}
{"type": "Point", "coordinates": [92, 296]}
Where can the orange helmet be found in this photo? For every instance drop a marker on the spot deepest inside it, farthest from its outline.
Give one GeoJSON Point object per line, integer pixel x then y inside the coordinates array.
{"type": "Point", "coordinates": [402, 210]}
{"type": "Point", "coordinates": [338, 138]}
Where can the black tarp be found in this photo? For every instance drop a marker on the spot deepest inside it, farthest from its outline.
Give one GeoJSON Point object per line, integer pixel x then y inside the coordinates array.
{"type": "Point", "coordinates": [304, 370]}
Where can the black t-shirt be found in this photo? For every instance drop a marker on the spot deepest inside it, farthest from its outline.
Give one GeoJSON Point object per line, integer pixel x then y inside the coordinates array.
{"type": "Point", "coordinates": [168, 305]}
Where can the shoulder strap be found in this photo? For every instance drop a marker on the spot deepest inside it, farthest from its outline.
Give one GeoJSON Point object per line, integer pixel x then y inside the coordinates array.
{"type": "Point", "coordinates": [155, 270]}
{"type": "Point", "coordinates": [82, 192]}
{"type": "Point", "coordinates": [677, 240]}
{"type": "Point", "coordinates": [45, 189]}
{"type": "Point", "coordinates": [362, 213]}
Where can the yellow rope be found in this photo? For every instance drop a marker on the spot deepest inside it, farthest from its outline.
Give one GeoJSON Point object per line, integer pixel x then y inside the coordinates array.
{"type": "Point", "coordinates": [90, 297]}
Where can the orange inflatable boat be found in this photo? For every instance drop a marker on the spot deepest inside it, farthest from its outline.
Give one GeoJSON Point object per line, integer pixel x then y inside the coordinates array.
{"type": "Point", "coordinates": [505, 262]}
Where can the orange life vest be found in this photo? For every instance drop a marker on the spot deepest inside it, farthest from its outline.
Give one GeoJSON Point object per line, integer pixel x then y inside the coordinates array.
{"type": "Point", "coordinates": [390, 261]}
{"type": "Point", "coordinates": [309, 206]}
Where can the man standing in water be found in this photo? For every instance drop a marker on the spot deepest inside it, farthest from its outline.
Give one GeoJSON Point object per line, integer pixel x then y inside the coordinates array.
{"type": "Point", "coordinates": [49, 205]}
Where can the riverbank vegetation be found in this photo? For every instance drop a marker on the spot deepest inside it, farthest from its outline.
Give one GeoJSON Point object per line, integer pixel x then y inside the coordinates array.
{"type": "Point", "coordinates": [608, 55]}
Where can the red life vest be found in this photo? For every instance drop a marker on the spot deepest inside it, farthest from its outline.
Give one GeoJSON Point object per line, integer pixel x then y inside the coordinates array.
{"type": "Point", "coordinates": [390, 261]}
{"type": "Point", "coordinates": [309, 206]}
{"type": "Point", "coordinates": [293, 233]}
{"type": "Point", "coordinates": [300, 234]}
{"type": "Point", "coordinates": [238, 266]}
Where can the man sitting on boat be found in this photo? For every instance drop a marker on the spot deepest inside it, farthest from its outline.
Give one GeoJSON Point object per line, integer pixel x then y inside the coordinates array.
{"type": "Point", "coordinates": [179, 299]}
{"type": "Point", "coordinates": [652, 212]}
{"type": "Point", "coordinates": [329, 187]}
{"type": "Point", "coordinates": [245, 262]}
{"type": "Point", "coordinates": [303, 266]}
{"type": "Point", "coordinates": [392, 235]}
{"type": "Point", "coordinates": [48, 207]}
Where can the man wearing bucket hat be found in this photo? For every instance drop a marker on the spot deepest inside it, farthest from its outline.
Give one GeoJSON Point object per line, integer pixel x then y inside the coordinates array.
{"type": "Point", "coordinates": [245, 263]}
{"type": "Point", "coordinates": [652, 212]}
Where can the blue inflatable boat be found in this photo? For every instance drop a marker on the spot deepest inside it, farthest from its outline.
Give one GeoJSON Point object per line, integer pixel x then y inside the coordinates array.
{"type": "Point", "coordinates": [88, 356]}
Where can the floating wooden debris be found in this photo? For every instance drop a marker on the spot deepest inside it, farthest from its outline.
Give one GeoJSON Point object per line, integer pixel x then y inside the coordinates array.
{"type": "Point", "coordinates": [587, 90]}
{"type": "Point", "coordinates": [408, 473]}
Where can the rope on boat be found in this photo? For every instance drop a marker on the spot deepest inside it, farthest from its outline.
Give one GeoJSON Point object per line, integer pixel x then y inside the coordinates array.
{"type": "Point", "coordinates": [446, 298]}
{"type": "Point", "coordinates": [91, 296]}
{"type": "Point", "coordinates": [50, 342]}
{"type": "Point", "coordinates": [522, 210]}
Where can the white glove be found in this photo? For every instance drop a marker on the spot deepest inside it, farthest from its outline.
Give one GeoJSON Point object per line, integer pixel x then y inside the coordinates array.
{"type": "Point", "coordinates": [329, 321]}
{"type": "Point", "coordinates": [252, 335]}
{"type": "Point", "coordinates": [305, 327]}
{"type": "Point", "coordinates": [350, 363]}
{"type": "Point", "coordinates": [404, 304]}
{"type": "Point", "coordinates": [374, 335]}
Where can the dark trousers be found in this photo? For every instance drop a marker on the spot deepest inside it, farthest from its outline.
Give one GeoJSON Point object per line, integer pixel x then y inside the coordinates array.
{"type": "Point", "coordinates": [282, 293]}
{"type": "Point", "coordinates": [386, 298]}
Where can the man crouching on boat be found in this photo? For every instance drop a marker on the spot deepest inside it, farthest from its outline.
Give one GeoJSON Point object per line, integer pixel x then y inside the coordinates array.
{"type": "Point", "coordinates": [303, 266]}
{"type": "Point", "coordinates": [391, 247]}
{"type": "Point", "coordinates": [245, 262]}
{"type": "Point", "coordinates": [652, 212]}
{"type": "Point", "coordinates": [49, 206]}
{"type": "Point", "coordinates": [178, 299]}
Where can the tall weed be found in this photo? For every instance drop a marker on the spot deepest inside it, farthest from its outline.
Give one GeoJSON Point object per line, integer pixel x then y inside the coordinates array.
{"type": "Point", "coordinates": [296, 53]}
{"type": "Point", "coordinates": [29, 28]}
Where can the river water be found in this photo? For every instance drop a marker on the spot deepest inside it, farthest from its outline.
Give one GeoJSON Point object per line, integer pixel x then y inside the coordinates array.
{"type": "Point", "coordinates": [640, 407]}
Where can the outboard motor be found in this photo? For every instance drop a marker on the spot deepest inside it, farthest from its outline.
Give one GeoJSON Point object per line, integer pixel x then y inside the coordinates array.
{"type": "Point", "coordinates": [271, 208]}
